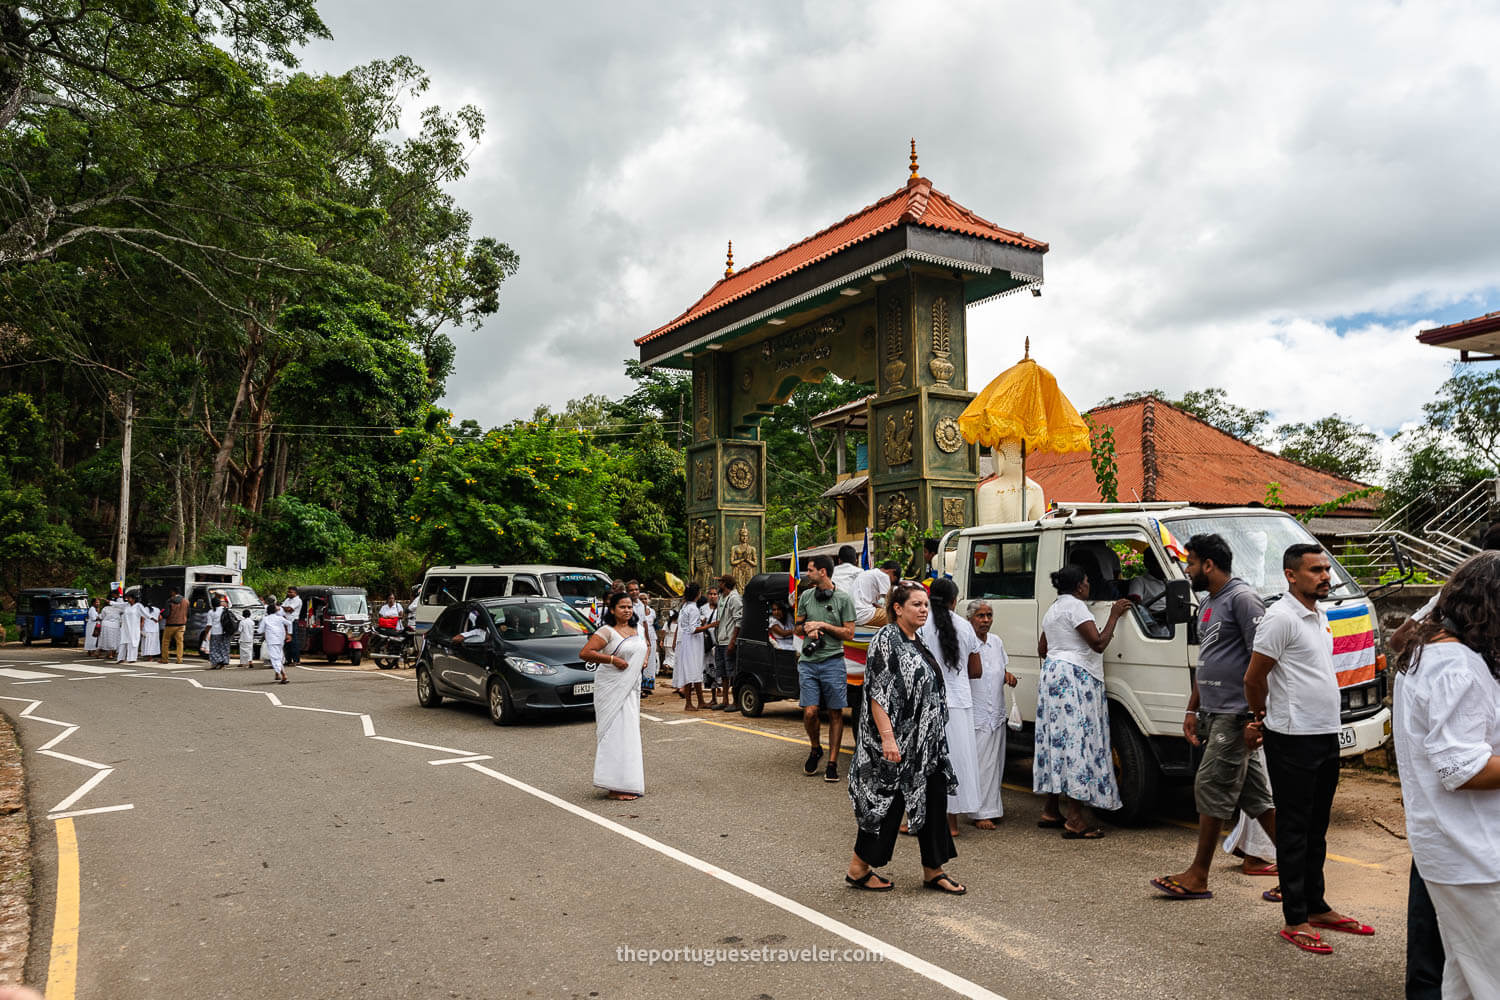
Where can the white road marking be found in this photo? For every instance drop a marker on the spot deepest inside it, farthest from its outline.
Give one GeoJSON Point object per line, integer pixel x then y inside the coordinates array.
{"type": "Point", "coordinates": [367, 725]}
{"type": "Point", "coordinates": [86, 678]}
{"type": "Point", "coordinates": [19, 683]}
{"type": "Point", "coordinates": [653, 718]}
{"type": "Point", "coordinates": [68, 729]}
{"type": "Point", "coordinates": [461, 760]}
{"type": "Point", "coordinates": [25, 675]}
{"type": "Point", "coordinates": [90, 812]}
{"type": "Point", "coordinates": [54, 741]}
{"type": "Point", "coordinates": [922, 967]}
{"type": "Point", "coordinates": [679, 722]}
{"type": "Point", "coordinates": [81, 790]}
{"type": "Point", "coordinates": [91, 668]}
{"type": "Point", "coordinates": [425, 746]}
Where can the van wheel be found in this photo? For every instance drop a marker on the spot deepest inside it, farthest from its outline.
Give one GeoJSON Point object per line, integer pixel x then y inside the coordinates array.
{"type": "Point", "coordinates": [502, 709]}
{"type": "Point", "coordinates": [1136, 771]}
{"type": "Point", "coordinates": [752, 701]}
{"type": "Point", "coordinates": [427, 695]}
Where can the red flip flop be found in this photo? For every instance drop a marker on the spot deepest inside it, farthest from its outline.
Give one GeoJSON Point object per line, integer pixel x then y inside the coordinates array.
{"type": "Point", "coordinates": [1346, 926]}
{"type": "Point", "coordinates": [1269, 869]}
{"type": "Point", "coordinates": [1313, 943]}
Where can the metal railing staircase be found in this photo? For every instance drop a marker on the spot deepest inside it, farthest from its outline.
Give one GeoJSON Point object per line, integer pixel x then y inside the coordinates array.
{"type": "Point", "coordinates": [1432, 534]}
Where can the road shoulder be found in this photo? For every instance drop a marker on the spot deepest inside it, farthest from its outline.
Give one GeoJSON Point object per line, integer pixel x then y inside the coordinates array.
{"type": "Point", "coordinates": [15, 859]}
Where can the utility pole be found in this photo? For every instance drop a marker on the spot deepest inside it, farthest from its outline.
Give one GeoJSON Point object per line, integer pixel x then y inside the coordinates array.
{"type": "Point", "coordinates": [124, 488]}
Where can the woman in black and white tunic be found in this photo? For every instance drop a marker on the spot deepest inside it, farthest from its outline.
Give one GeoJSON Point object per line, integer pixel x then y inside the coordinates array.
{"type": "Point", "coordinates": [901, 754]}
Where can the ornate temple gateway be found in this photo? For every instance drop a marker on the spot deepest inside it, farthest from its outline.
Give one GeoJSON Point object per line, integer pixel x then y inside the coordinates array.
{"type": "Point", "coordinates": [879, 299]}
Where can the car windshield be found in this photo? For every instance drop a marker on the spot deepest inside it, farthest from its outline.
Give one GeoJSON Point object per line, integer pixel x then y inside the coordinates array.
{"type": "Point", "coordinates": [71, 603]}
{"type": "Point", "coordinates": [349, 604]}
{"type": "Point", "coordinates": [239, 597]}
{"type": "Point", "coordinates": [538, 620]}
{"type": "Point", "coordinates": [585, 585]}
{"type": "Point", "coordinates": [1257, 541]}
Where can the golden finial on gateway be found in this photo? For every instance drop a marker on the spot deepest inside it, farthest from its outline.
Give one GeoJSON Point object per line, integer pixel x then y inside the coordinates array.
{"type": "Point", "coordinates": [1028, 349]}
{"type": "Point", "coordinates": [729, 261]}
{"type": "Point", "coordinates": [914, 157]}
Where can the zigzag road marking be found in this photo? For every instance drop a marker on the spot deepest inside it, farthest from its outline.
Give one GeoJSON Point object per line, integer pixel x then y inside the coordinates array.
{"type": "Point", "coordinates": [102, 771]}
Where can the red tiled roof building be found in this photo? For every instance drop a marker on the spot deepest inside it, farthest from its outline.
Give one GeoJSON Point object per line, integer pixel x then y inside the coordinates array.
{"type": "Point", "coordinates": [1164, 453]}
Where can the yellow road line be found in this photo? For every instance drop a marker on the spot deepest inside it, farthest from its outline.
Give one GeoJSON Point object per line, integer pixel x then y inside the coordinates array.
{"type": "Point", "coordinates": [62, 972]}
{"type": "Point", "coordinates": [762, 732]}
{"type": "Point", "coordinates": [1019, 788]}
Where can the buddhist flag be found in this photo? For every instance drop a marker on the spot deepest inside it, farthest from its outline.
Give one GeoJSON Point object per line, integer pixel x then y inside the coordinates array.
{"type": "Point", "coordinates": [1353, 644]}
{"type": "Point", "coordinates": [1169, 542]}
{"type": "Point", "coordinates": [864, 557]}
{"type": "Point", "coordinates": [791, 587]}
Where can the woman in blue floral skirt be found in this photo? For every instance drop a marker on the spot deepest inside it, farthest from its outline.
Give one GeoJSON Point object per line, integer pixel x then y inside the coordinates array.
{"type": "Point", "coordinates": [1072, 763]}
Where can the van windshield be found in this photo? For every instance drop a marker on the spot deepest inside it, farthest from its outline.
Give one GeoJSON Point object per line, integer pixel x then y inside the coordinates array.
{"type": "Point", "coordinates": [586, 585]}
{"type": "Point", "coordinates": [239, 597]}
{"type": "Point", "coordinates": [1257, 542]}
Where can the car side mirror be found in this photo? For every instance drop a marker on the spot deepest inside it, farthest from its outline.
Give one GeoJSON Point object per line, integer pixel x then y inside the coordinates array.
{"type": "Point", "coordinates": [1179, 608]}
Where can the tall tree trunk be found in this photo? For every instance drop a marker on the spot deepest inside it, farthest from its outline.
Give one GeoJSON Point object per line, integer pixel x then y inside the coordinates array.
{"type": "Point", "coordinates": [218, 484]}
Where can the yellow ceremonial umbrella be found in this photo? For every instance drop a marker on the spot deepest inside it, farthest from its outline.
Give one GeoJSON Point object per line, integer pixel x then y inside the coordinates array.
{"type": "Point", "coordinates": [1024, 404]}
{"type": "Point", "coordinates": [674, 583]}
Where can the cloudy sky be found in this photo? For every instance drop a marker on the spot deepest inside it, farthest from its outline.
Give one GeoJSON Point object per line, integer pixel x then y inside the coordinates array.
{"type": "Point", "coordinates": [1272, 198]}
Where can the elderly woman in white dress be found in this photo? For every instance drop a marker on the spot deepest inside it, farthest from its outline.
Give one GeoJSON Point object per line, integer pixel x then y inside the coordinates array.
{"type": "Point", "coordinates": [687, 671]}
{"type": "Point", "coordinates": [619, 649]}
{"type": "Point", "coordinates": [109, 626]}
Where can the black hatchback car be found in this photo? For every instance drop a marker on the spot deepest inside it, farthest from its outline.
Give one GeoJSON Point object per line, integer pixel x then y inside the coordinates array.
{"type": "Point", "coordinates": [518, 656]}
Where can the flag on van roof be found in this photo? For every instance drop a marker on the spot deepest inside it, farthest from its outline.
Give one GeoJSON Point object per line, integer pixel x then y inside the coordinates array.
{"type": "Point", "coordinates": [1169, 541]}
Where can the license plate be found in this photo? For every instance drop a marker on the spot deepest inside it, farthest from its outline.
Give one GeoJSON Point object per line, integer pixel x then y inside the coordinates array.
{"type": "Point", "coordinates": [583, 689]}
{"type": "Point", "coordinates": [1346, 738]}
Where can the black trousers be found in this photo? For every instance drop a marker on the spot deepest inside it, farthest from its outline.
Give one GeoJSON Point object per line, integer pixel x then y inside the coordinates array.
{"type": "Point", "coordinates": [294, 648]}
{"type": "Point", "coordinates": [856, 699]}
{"type": "Point", "coordinates": [875, 849]}
{"type": "Point", "coordinates": [1304, 772]}
{"type": "Point", "coordinates": [1424, 946]}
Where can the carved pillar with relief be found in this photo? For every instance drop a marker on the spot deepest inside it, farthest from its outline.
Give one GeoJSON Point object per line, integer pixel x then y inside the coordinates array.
{"type": "Point", "coordinates": [921, 468]}
{"type": "Point", "coordinates": [726, 497]}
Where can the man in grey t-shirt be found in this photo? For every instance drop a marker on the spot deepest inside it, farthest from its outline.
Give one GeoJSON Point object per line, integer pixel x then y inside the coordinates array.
{"type": "Point", "coordinates": [1230, 775]}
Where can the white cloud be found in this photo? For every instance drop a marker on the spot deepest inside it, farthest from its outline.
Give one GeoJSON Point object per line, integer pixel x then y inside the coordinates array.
{"type": "Point", "coordinates": [1220, 185]}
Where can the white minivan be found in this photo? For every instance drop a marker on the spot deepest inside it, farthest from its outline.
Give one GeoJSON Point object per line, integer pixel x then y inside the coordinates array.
{"type": "Point", "coordinates": [1147, 673]}
{"type": "Point", "coordinates": [579, 586]}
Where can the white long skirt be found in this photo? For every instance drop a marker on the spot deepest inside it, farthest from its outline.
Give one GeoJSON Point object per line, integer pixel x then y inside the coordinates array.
{"type": "Point", "coordinates": [109, 636]}
{"type": "Point", "coordinates": [963, 754]}
{"type": "Point", "coordinates": [1471, 938]}
{"type": "Point", "coordinates": [150, 642]}
{"type": "Point", "coordinates": [990, 747]}
{"type": "Point", "coordinates": [689, 666]}
{"type": "Point", "coordinates": [90, 640]}
{"type": "Point", "coordinates": [618, 762]}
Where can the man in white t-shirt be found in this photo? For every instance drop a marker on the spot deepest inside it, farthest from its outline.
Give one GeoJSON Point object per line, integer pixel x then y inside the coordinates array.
{"type": "Point", "coordinates": [869, 591]}
{"type": "Point", "coordinates": [846, 569]}
{"type": "Point", "coordinates": [1293, 694]}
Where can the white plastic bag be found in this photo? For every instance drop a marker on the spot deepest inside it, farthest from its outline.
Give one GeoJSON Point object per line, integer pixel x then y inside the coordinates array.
{"type": "Point", "coordinates": [1013, 721]}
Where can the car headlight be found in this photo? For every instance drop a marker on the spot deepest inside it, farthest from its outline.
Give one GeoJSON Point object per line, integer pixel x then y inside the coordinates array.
{"type": "Point", "coordinates": [532, 667]}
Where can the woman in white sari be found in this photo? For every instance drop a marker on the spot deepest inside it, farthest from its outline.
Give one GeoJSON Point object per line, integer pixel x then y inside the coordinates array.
{"type": "Point", "coordinates": [687, 671]}
{"type": "Point", "coordinates": [619, 649]}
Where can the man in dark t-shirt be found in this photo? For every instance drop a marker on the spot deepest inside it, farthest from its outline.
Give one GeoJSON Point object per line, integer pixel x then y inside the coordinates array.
{"type": "Point", "coordinates": [1230, 776]}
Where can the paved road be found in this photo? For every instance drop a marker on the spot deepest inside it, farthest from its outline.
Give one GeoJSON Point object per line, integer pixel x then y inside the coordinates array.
{"type": "Point", "coordinates": [312, 853]}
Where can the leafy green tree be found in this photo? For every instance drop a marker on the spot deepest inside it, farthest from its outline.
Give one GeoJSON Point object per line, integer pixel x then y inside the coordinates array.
{"type": "Point", "coordinates": [527, 492]}
{"type": "Point", "coordinates": [1333, 444]}
{"type": "Point", "coordinates": [801, 463]}
{"type": "Point", "coordinates": [1467, 407]}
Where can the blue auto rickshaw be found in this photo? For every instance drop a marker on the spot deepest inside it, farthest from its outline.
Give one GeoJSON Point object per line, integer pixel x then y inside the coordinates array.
{"type": "Point", "coordinates": [56, 613]}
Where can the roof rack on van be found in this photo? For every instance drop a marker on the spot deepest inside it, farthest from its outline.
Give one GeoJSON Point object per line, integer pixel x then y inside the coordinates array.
{"type": "Point", "coordinates": [1070, 510]}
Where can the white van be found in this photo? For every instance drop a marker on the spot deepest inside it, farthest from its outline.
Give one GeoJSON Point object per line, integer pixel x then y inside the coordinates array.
{"type": "Point", "coordinates": [1123, 550]}
{"type": "Point", "coordinates": [444, 585]}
